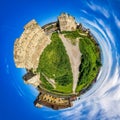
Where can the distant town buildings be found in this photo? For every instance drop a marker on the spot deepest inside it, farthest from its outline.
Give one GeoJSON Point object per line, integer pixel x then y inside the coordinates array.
{"type": "Point", "coordinates": [51, 27]}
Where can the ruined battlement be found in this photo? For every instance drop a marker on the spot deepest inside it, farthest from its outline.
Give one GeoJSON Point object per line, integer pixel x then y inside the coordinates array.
{"type": "Point", "coordinates": [31, 24]}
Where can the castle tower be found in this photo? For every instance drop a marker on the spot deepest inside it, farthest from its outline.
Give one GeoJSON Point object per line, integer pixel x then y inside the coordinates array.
{"type": "Point", "coordinates": [67, 22]}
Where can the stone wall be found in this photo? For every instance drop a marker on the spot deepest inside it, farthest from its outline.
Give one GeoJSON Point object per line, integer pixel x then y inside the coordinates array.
{"type": "Point", "coordinates": [67, 22]}
{"type": "Point", "coordinates": [30, 45]}
{"type": "Point", "coordinates": [52, 101]}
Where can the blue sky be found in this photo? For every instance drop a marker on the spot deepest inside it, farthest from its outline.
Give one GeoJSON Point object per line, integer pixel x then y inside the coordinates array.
{"type": "Point", "coordinates": [102, 102]}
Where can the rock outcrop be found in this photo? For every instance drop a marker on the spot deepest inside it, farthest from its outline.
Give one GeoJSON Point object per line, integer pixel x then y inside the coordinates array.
{"type": "Point", "coordinates": [31, 78]}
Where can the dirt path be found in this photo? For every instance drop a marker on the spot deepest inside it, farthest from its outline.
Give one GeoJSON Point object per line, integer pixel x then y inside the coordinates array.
{"type": "Point", "coordinates": [74, 56]}
{"type": "Point", "coordinates": [51, 81]}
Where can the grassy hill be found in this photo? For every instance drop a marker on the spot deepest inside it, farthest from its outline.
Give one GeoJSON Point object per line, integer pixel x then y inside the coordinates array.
{"type": "Point", "coordinates": [55, 64]}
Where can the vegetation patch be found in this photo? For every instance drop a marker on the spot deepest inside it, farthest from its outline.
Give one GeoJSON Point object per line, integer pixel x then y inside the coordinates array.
{"type": "Point", "coordinates": [54, 63]}
{"type": "Point", "coordinates": [72, 35]}
{"type": "Point", "coordinates": [90, 63]}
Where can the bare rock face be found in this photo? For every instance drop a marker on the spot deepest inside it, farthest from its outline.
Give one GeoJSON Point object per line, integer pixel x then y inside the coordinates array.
{"type": "Point", "coordinates": [35, 80]}
{"type": "Point", "coordinates": [30, 45]}
{"type": "Point", "coordinates": [67, 22]}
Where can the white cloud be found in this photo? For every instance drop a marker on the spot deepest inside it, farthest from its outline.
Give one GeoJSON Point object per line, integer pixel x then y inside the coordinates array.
{"type": "Point", "coordinates": [102, 10]}
{"type": "Point", "coordinates": [84, 11]}
{"type": "Point", "coordinates": [106, 30]}
{"type": "Point", "coordinates": [117, 21]}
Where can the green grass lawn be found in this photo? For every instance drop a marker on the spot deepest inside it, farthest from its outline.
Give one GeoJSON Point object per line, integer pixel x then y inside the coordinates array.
{"type": "Point", "coordinates": [72, 35]}
{"type": "Point", "coordinates": [90, 60]}
{"type": "Point", "coordinates": [55, 64]}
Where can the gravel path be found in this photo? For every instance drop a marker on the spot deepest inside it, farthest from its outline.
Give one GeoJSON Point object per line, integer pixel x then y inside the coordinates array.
{"type": "Point", "coordinates": [74, 56]}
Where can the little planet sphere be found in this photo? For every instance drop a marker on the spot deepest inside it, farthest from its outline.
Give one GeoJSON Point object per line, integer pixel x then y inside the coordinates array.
{"type": "Point", "coordinates": [62, 60]}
